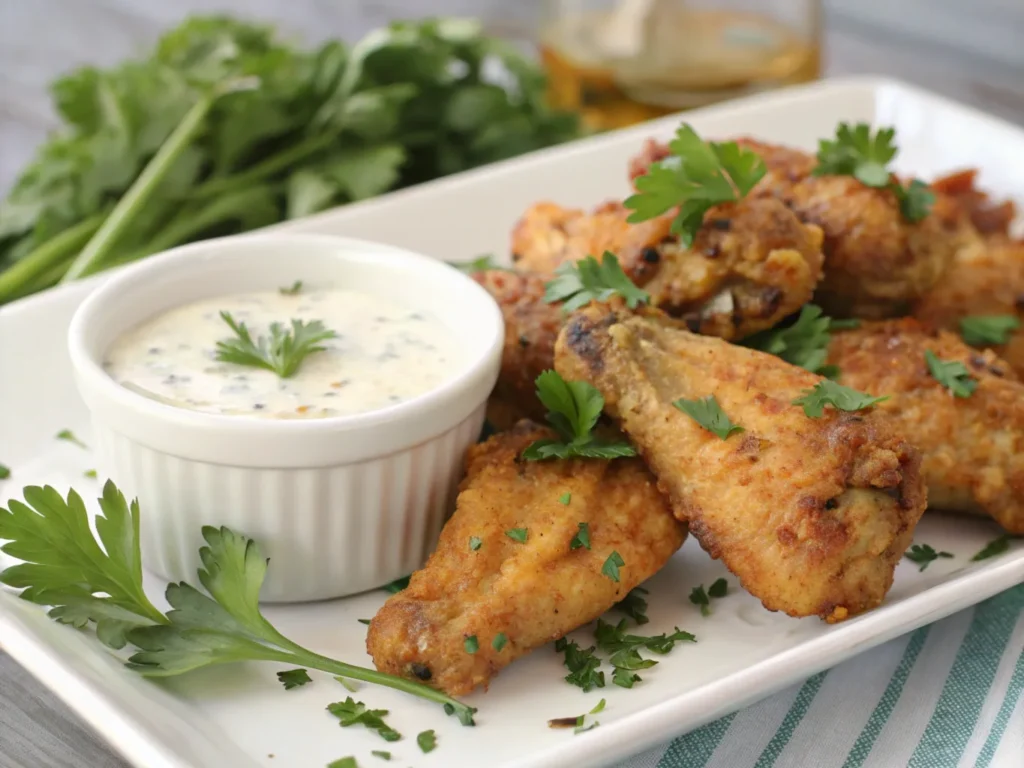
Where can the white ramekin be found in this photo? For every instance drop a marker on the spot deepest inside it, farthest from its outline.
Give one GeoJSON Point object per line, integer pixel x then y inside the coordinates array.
{"type": "Point", "coordinates": [339, 505]}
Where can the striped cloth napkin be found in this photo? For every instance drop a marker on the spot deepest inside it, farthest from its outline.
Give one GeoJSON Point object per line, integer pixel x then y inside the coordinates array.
{"type": "Point", "coordinates": [949, 695]}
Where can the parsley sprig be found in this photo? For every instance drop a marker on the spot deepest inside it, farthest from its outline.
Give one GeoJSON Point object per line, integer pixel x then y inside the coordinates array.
{"type": "Point", "coordinates": [979, 330]}
{"type": "Point", "coordinates": [805, 342]}
{"type": "Point", "coordinates": [624, 649]}
{"type": "Point", "coordinates": [857, 152]}
{"type": "Point", "coordinates": [952, 374]}
{"type": "Point", "coordinates": [583, 665]}
{"type": "Point", "coordinates": [703, 599]}
{"type": "Point", "coordinates": [709, 414]}
{"type": "Point", "coordinates": [282, 353]}
{"type": "Point", "coordinates": [694, 177]}
{"type": "Point", "coordinates": [294, 678]}
{"type": "Point", "coordinates": [827, 392]}
{"type": "Point", "coordinates": [87, 579]}
{"type": "Point", "coordinates": [351, 712]}
{"type": "Point", "coordinates": [577, 283]}
{"type": "Point", "coordinates": [573, 410]}
{"type": "Point", "coordinates": [924, 555]}
{"type": "Point", "coordinates": [997, 546]}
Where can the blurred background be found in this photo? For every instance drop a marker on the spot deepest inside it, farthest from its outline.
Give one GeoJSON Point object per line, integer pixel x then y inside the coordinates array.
{"type": "Point", "coordinates": [971, 51]}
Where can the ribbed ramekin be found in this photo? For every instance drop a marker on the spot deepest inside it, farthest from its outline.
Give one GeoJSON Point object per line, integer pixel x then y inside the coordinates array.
{"type": "Point", "coordinates": [340, 505]}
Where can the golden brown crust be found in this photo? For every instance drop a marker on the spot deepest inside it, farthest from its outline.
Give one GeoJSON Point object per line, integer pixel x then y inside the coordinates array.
{"type": "Point", "coordinates": [988, 217]}
{"type": "Point", "coordinates": [811, 514]}
{"type": "Point", "coordinates": [985, 280]}
{"type": "Point", "coordinates": [533, 592]}
{"type": "Point", "coordinates": [876, 262]}
{"type": "Point", "coordinates": [973, 447]}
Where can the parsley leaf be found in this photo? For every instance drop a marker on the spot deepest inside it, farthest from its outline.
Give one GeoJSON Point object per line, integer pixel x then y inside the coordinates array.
{"type": "Point", "coordinates": [995, 547]}
{"type": "Point", "coordinates": [397, 585]}
{"type": "Point", "coordinates": [624, 649]}
{"type": "Point", "coordinates": [709, 414]}
{"type": "Point", "coordinates": [719, 588]}
{"type": "Point", "coordinates": [634, 605]}
{"type": "Point", "coordinates": [471, 644]}
{"type": "Point", "coordinates": [5, 472]}
{"type": "Point", "coordinates": [381, 754]}
{"type": "Point", "coordinates": [293, 290]}
{"type": "Point", "coordinates": [696, 176]}
{"type": "Point", "coordinates": [582, 664]}
{"type": "Point", "coordinates": [565, 498]}
{"type": "Point", "coordinates": [474, 543]}
{"type": "Point", "coordinates": [573, 410]}
{"type": "Point", "coordinates": [282, 353]}
{"type": "Point", "coordinates": [699, 597]}
{"type": "Point", "coordinates": [582, 537]}
{"type": "Point", "coordinates": [980, 330]}
{"type": "Point", "coordinates": [352, 712]}
{"type": "Point", "coordinates": [499, 641]}
{"type": "Point", "coordinates": [923, 555]}
{"type": "Point", "coordinates": [517, 534]}
{"type": "Point", "coordinates": [89, 473]}
{"type": "Point", "coordinates": [611, 566]}
{"type": "Point", "coordinates": [857, 152]}
{"type": "Point", "coordinates": [577, 283]}
{"type": "Point", "coordinates": [625, 677]}
{"type": "Point", "coordinates": [952, 374]}
{"type": "Point", "coordinates": [69, 437]}
{"type": "Point", "coordinates": [827, 392]}
{"type": "Point", "coordinates": [483, 263]}
{"type": "Point", "coordinates": [804, 343]}
{"type": "Point", "coordinates": [427, 741]}
{"type": "Point", "coordinates": [89, 578]}
{"type": "Point", "coordinates": [598, 708]}
{"type": "Point", "coordinates": [293, 678]}
{"type": "Point", "coordinates": [343, 762]}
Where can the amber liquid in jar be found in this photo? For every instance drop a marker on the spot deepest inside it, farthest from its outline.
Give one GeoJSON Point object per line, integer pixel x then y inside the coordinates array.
{"type": "Point", "coordinates": [681, 58]}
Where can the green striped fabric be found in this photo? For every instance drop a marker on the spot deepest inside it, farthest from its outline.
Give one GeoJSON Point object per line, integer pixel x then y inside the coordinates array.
{"type": "Point", "coordinates": [950, 695]}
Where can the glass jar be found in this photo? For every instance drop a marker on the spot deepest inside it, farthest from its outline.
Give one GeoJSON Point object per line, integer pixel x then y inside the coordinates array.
{"type": "Point", "coordinates": [619, 62]}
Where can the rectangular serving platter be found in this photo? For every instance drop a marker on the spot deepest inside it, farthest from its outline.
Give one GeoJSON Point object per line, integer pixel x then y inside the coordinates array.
{"type": "Point", "coordinates": [239, 715]}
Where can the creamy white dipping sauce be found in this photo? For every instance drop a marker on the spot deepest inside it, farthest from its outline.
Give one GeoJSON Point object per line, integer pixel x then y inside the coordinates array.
{"type": "Point", "coordinates": [383, 354]}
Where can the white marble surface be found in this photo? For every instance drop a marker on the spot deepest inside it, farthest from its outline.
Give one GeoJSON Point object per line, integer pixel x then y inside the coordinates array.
{"type": "Point", "coordinates": [971, 51]}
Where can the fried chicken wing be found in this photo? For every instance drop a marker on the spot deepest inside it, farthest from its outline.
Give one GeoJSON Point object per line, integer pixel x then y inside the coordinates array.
{"type": "Point", "coordinates": [988, 217]}
{"type": "Point", "coordinates": [532, 592]}
{"type": "Point", "coordinates": [811, 514]}
{"type": "Point", "coordinates": [876, 262]}
{"type": "Point", "coordinates": [987, 280]}
{"type": "Point", "coordinates": [972, 447]}
{"type": "Point", "coordinates": [751, 264]}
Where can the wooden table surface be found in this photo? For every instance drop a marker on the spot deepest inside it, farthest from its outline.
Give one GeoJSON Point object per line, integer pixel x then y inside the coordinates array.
{"type": "Point", "coordinates": [973, 52]}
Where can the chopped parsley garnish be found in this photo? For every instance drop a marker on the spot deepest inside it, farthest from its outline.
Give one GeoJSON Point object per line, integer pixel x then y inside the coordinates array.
{"type": "Point", "coordinates": [475, 542]}
{"type": "Point", "coordinates": [352, 712]}
{"type": "Point", "coordinates": [282, 353]}
{"type": "Point", "coordinates": [694, 177]}
{"type": "Point", "coordinates": [805, 342]}
{"type": "Point", "coordinates": [599, 707]}
{"type": "Point", "coordinates": [611, 566]}
{"type": "Point", "coordinates": [995, 547]}
{"type": "Point", "coordinates": [470, 644]}
{"type": "Point", "coordinates": [842, 398]}
{"type": "Point", "coordinates": [479, 264]}
{"type": "Point", "coordinates": [397, 585]}
{"type": "Point", "coordinates": [856, 152]}
{"type": "Point", "coordinates": [701, 598]}
{"type": "Point", "coordinates": [634, 605]}
{"type": "Point", "coordinates": [565, 498]}
{"type": "Point", "coordinates": [709, 414]}
{"type": "Point", "coordinates": [89, 473]}
{"type": "Point", "coordinates": [364, 621]}
{"type": "Point", "coordinates": [293, 290]}
{"type": "Point", "coordinates": [577, 283]}
{"type": "Point", "coordinates": [517, 534]}
{"type": "Point", "coordinates": [348, 684]}
{"type": "Point", "coordinates": [952, 374]}
{"type": "Point", "coordinates": [293, 678]}
{"type": "Point", "coordinates": [344, 762]}
{"type": "Point", "coordinates": [69, 437]}
{"type": "Point", "coordinates": [573, 410]}
{"type": "Point", "coordinates": [625, 649]}
{"type": "Point", "coordinates": [5, 472]}
{"type": "Point", "coordinates": [381, 754]}
{"type": "Point", "coordinates": [924, 555]}
{"type": "Point", "coordinates": [979, 330]}
{"type": "Point", "coordinates": [582, 537]}
{"type": "Point", "coordinates": [625, 678]}
{"type": "Point", "coordinates": [499, 641]}
{"type": "Point", "coordinates": [427, 740]}
{"type": "Point", "coordinates": [583, 665]}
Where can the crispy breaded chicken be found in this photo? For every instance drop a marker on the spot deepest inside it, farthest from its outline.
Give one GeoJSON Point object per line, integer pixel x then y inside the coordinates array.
{"type": "Point", "coordinates": [812, 515]}
{"type": "Point", "coordinates": [987, 280]}
{"type": "Point", "coordinates": [532, 592]}
{"type": "Point", "coordinates": [972, 447]}
{"type": "Point", "coordinates": [876, 262]}
{"type": "Point", "coordinates": [751, 264]}
{"type": "Point", "coordinates": [531, 327]}
{"type": "Point", "coordinates": [988, 217]}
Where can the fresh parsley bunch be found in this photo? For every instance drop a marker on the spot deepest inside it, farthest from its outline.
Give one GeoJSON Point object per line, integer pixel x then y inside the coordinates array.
{"type": "Point", "coordinates": [224, 128]}
{"type": "Point", "coordinates": [98, 581]}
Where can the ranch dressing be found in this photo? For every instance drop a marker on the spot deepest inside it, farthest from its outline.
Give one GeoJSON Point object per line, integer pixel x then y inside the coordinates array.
{"type": "Point", "coordinates": [383, 353]}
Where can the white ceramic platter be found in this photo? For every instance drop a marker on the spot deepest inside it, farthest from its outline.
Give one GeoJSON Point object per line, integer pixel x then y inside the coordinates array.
{"type": "Point", "coordinates": [240, 716]}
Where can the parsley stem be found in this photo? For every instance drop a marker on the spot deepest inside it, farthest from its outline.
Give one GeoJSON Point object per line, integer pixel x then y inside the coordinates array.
{"type": "Point", "coordinates": [141, 190]}
{"type": "Point", "coordinates": [23, 275]}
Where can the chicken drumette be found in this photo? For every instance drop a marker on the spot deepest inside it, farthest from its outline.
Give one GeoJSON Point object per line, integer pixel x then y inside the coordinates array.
{"type": "Point", "coordinates": [812, 514]}
{"type": "Point", "coordinates": [481, 582]}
